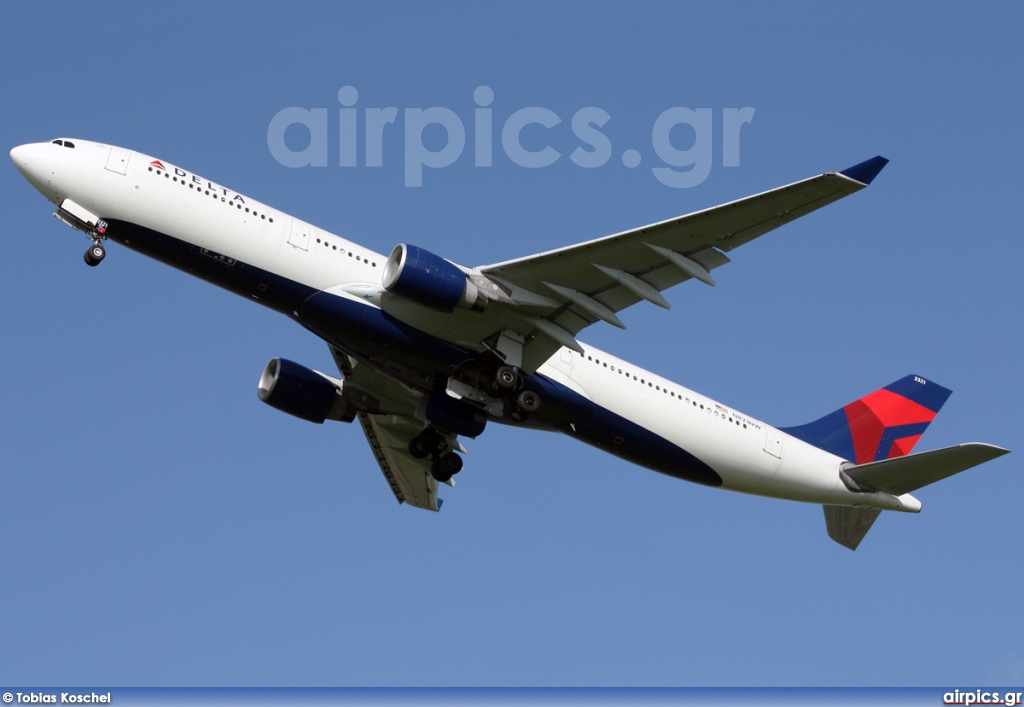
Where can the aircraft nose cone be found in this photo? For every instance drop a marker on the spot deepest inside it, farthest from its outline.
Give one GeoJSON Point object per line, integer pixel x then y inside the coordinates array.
{"type": "Point", "coordinates": [35, 165]}
{"type": "Point", "coordinates": [19, 155]}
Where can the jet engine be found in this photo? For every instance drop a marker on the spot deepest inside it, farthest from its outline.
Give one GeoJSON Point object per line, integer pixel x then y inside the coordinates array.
{"type": "Point", "coordinates": [306, 394]}
{"type": "Point", "coordinates": [427, 279]}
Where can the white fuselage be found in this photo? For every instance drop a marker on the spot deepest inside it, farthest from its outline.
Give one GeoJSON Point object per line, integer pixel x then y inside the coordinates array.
{"type": "Point", "coordinates": [113, 183]}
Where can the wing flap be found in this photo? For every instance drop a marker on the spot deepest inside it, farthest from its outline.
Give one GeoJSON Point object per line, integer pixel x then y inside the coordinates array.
{"type": "Point", "coordinates": [902, 475]}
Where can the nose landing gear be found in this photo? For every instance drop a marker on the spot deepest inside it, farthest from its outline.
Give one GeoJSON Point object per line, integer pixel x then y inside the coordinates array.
{"type": "Point", "coordinates": [95, 254]}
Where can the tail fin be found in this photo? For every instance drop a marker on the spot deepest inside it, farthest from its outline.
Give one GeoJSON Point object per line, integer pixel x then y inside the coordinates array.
{"type": "Point", "coordinates": [882, 425]}
{"type": "Point", "coordinates": [874, 433]}
{"type": "Point", "coordinates": [848, 525]}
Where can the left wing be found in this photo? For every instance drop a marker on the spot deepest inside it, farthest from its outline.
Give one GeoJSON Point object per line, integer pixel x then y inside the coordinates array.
{"type": "Point", "coordinates": [560, 292]}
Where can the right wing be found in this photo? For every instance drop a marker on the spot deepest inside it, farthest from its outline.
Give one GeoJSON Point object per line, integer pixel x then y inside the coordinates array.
{"type": "Point", "coordinates": [408, 477]}
{"type": "Point", "coordinates": [390, 431]}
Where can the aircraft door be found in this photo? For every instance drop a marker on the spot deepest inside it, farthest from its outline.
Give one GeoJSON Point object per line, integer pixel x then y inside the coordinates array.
{"type": "Point", "coordinates": [300, 234]}
{"type": "Point", "coordinates": [773, 441]}
{"type": "Point", "coordinates": [117, 160]}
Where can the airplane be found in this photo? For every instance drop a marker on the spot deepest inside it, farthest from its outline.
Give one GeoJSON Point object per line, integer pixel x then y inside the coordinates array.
{"type": "Point", "coordinates": [429, 351]}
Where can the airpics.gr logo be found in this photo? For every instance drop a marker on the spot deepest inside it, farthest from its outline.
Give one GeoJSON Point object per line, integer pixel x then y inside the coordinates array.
{"type": "Point", "coordinates": [528, 138]}
{"type": "Point", "coordinates": [981, 697]}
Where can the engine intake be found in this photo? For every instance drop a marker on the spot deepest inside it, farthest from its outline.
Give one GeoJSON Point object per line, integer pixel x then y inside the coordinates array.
{"type": "Point", "coordinates": [420, 276]}
{"type": "Point", "coordinates": [306, 394]}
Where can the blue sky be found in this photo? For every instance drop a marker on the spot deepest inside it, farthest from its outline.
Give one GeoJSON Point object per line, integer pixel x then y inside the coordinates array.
{"type": "Point", "coordinates": [162, 527]}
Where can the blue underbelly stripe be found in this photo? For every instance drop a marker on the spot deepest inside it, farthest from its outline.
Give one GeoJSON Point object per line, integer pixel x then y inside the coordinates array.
{"type": "Point", "coordinates": [410, 355]}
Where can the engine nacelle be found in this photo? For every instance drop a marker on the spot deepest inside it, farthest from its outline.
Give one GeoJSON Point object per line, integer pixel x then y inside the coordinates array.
{"type": "Point", "coordinates": [424, 278]}
{"type": "Point", "coordinates": [306, 394]}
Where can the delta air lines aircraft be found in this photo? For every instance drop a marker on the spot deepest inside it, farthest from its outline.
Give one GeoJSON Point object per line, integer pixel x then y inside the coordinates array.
{"type": "Point", "coordinates": [429, 350]}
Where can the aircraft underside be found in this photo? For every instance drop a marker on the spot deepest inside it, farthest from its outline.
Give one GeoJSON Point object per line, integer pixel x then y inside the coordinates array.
{"type": "Point", "coordinates": [428, 350]}
{"type": "Point", "coordinates": [426, 364]}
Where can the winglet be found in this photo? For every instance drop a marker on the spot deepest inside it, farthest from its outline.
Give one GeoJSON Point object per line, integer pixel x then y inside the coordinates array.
{"type": "Point", "coordinates": [865, 172]}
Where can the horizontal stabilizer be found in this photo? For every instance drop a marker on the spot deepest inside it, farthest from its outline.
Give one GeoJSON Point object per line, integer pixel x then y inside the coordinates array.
{"type": "Point", "coordinates": [902, 475]}
{"type": "Point", "coordinates": [848, 525]}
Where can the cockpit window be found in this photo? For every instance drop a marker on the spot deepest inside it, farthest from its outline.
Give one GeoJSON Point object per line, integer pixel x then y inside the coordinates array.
{"type": "Point", "coordinates": [64, 143]}
{"type": "Point", "coordinates": [57, 142]}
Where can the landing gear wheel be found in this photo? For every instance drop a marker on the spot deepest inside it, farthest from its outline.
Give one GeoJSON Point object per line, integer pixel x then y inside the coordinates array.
{"type": "Point", "coordinates": [446, 467]}
{"type": "Point", "coordinates": [528, 401]}
{"type": "Point", "coordinates": [433, 441]}
{"type": "Point", "coordinates": [428, 443]}
{"type": "Point", "coordinates": [417, 448]}
{"type": "Point", "coordinates": [95, 254]}
{"type": "Point", "coordinates": [506, 378]}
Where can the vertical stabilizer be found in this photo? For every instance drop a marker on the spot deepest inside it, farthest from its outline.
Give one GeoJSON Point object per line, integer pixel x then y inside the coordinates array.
{"type": "Point", "coordinates": [882, 425]}
{"type": "Point", "coordinates": [848, 525]}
